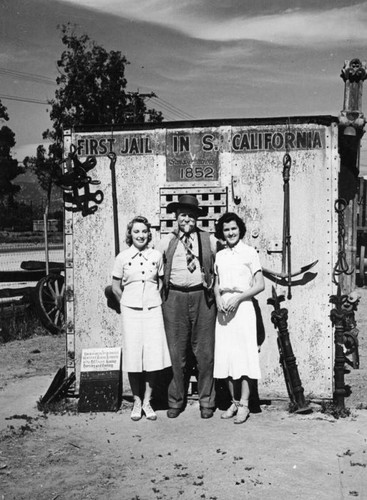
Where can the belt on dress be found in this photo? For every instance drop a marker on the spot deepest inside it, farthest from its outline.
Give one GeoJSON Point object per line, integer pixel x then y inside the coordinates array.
{"type": "Point", "coordinates": [186, 289]}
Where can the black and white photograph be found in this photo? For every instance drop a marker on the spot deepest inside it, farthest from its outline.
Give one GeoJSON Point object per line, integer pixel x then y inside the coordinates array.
{"type": "Point", "coordinates": [183, 265]}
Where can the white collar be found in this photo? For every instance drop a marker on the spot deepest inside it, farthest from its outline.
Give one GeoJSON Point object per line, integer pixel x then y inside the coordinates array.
{"type": "Point", "coordinates": [133, 252]}
{"type": "Point", "coordinates": [237, 248]}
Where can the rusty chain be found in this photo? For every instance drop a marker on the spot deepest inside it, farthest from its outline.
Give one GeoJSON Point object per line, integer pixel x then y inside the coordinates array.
{"type": "Point", "coordinates": [341, 265]}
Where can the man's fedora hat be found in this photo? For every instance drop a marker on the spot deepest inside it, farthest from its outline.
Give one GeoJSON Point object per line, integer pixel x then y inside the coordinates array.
{"type": "Point", "coordinates": [187, 202]}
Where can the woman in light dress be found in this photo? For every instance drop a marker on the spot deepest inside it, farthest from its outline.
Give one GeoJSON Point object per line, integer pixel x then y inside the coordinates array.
{"type": "Point", "coordinates": [238, 279]}
{"type": "Point", "coordinates": [136, 282]}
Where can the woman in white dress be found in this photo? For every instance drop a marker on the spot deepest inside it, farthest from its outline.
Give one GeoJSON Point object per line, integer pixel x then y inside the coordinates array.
{"type": "Point", "coordinates": [238, 279]}
{"type": "Point", "coordinates": [136, 282]}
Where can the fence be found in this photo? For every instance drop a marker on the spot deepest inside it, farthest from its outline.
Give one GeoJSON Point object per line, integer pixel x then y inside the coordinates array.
{"type": "Point", "coordinates": [11, 256]}
{"type": "Point", "coordinates": [52, 225]}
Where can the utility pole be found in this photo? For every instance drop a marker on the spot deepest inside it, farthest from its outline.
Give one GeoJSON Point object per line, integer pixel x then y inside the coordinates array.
{"type": "Point", "coordinates": [134, 98]}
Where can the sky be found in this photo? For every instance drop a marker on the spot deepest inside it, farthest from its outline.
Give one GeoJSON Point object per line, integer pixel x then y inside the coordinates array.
{"type": "Point", "coordinates": [204, 59]}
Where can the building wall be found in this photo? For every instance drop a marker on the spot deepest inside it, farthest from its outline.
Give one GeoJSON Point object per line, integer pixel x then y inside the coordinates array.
{"type": "Point", "coordinates": [236, 167]}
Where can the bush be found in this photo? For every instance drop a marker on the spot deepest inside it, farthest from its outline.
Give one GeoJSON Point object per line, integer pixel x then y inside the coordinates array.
{"type": "Point", "coordinates": [18, 217]}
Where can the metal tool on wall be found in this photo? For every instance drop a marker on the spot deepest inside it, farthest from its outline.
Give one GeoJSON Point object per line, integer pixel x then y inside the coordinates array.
{"type": "Point", "coordinates": [112, 302]}
{"type": "Point", "coordinates": [112, 157]}
{"type": "Point", "coordinates": [76, 179]}
{"type": "Point", "coordinates": [285, 276]}
{"type": "Point", "coordinates": [279, 318]}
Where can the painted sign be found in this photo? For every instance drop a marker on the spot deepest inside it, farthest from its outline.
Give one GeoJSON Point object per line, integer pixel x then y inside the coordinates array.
{"type": "Point", "coordinates": [275, 140]}
{"type": "Point", "coordinates": [122, 144]}
{"type": "Point", "coordinates": [192, 156]}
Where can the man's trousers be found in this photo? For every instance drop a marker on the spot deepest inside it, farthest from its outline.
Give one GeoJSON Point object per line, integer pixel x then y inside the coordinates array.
{"type": "Point", "coordinates": [190, 322]}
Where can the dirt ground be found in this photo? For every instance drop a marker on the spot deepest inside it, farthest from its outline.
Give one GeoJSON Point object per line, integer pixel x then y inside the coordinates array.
{"type": "Point", "coordinates": [274, 455]}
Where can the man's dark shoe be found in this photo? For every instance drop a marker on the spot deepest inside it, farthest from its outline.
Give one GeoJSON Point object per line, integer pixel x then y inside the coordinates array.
{"type": "Point", "coordinates": [173, 412]}
{"type": "Point", "coordinates": [206, 412]}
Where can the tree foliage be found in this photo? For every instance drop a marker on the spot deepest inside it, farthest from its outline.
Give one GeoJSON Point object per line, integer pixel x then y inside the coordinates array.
{"type": "Point", "coordinates": [91, 91]}
{"type": "Point", "coordinates": [3, 112]}
{"type": "Point", "coordinates": [92, 88]}
{"type": "Point", "coordinates": [46, 166]}
{"type": "Point", "coordinates": [9, 168]}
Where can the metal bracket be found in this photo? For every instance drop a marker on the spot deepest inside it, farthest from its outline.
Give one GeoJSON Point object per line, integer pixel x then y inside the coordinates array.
{"type": "Point", "coordinates": [235, 190]}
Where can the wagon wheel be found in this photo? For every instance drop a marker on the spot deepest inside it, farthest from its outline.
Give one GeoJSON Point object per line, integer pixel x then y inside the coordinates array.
{"type": "Point", "coordinates": [50, 302]}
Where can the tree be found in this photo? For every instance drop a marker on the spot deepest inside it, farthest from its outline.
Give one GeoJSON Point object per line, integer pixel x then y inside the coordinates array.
{"type": "Point", "coordinates": [9, 168]}
{"type": "Point", "coordinates": [45, 166]}
{"type": "Point", "coordinates": [91, 91]}
{"type": "Point", "coordinates": [92, 88]}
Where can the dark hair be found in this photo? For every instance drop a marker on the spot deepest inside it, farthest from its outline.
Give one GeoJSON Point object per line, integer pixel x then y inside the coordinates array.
{"type": "Point", "coordinates": [143, 220]}
{"type": "Point", "coordinates": [229, 217]}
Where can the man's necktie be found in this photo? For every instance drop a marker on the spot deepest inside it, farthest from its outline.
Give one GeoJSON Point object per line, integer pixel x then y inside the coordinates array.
{"type": "Point", "coordinates": [190, 257]}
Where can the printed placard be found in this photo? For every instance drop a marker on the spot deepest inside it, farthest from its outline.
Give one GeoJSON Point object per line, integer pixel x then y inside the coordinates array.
{"type": "Point", "coordinates": [104, 359]}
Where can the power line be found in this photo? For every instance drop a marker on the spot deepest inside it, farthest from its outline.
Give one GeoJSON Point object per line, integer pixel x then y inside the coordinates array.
{"type": "Point", "coordinates": [22, 75]}
{"type": "Point", "coordinates": [169, 116]}
{"type": "Point", "coordinates": [22, 99]}
{"type": "Point", "coordinates": [176, 111]}
{"type": "Point", "coordinates": [171, 111]}
{"type": "Point", "coordinates": [166, 105]}
{"type": "Point", "coordinates": [175, 108]}
{"type": "Point", "coordinates": [169, 108]}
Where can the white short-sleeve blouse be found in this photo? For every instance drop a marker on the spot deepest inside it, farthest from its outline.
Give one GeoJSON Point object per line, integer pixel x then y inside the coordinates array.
{"type": "Point", "coordinates": [236, 267]}
{"type": "Point", "coordinates": [139, 271]}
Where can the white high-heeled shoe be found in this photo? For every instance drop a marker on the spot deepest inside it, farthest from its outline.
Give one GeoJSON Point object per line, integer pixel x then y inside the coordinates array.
{"type": "Point", "coordinates": [243, 414]}
{"type": "Point", "coordinates": [136, 411]}
{"type": "Point", "coordinates": [231, 412]}
{"type": "Point", "coordinates": [149, 412]}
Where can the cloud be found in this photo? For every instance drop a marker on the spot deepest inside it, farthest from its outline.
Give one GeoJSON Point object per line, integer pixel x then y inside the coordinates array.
{"type": "Point", "coordinates": [289, 26]}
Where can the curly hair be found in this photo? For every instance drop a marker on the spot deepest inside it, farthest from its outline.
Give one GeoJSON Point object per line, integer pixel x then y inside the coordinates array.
{"type": "Point", "coordinates": [225, 219]}
{"type": "Point", "coordinates": [142, 220]}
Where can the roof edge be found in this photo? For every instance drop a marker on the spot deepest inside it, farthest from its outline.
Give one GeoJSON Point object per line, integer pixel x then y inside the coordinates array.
{"type": "Point", "coordinates": [284, 120]}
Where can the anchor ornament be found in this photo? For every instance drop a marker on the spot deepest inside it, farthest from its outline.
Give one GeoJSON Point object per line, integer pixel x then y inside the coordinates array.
{"type": "Point", "coordinates": [285, 276]}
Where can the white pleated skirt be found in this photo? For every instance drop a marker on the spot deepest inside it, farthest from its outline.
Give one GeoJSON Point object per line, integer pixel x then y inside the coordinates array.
{"type": "Point", "coordinates": [144, 343]}
{"type": "Point", "coordinates": [236, 352]}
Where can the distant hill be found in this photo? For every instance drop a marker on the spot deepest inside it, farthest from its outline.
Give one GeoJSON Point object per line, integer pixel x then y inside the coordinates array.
{"type": "Point", "coordinates": [32, 193]}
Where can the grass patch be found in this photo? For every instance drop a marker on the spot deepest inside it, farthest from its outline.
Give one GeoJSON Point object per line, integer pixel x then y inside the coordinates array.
{"type": "Point", "coordinates": [329, 408]}
{"type": "Point", "coordinates": [61, 407]}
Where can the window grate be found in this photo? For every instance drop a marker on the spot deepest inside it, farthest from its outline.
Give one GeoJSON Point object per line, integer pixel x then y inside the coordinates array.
{"type": "Point", "coordinates": [213, 198]}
